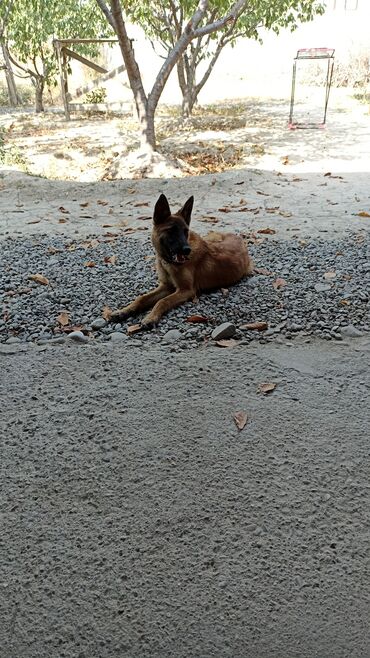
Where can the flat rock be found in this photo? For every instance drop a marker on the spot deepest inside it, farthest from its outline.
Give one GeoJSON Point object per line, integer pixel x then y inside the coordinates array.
{"type": "Point", "coordinates": [99, 323]}
{"type": "Point", "coordinates": [350, 331]}
{"type": "Point", "coordinates": [224, 330]}
{"type": "Point", "coordinates": [118, 337]}
{"type": "Point", "coordinates": [16, 348]}
{"type": "Point", "coordinates": [78, 337]}
{"type": "Point", "coordinates": [172, 336]}
{"type": "Point", "coordinates": [322, 287]}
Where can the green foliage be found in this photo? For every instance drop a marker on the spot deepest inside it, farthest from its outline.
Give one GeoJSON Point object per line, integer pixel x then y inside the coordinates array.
{"type": "Point", "coordinates": [32, 25]}
{"type": "Point", "coordinates": [25, 93]}
{"type": "Point", "coordinates": [98, 95]}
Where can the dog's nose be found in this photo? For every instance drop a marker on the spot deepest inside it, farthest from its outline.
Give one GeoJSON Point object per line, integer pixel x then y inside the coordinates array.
{"type": "Point", "coordinates": [186, 250]}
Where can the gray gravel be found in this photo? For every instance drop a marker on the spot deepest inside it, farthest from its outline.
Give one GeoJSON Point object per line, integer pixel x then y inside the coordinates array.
{"type": "Point", "coordinates": [310, 300]}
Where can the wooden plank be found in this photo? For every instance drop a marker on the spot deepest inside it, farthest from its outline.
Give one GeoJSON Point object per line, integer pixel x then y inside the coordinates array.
{"type": "Point", "coordinates": [83, 60]}
{"type": "Point", "coordinates": [63, 81]}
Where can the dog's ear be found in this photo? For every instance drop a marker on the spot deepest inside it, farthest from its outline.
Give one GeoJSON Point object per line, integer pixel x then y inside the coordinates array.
{"type": "Point", "coordinates": [161, 210]}
{"type": "Point", "coordinates": [185, 211]}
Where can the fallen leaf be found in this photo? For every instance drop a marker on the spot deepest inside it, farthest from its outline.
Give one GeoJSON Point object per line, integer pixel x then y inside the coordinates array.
{"type": "Point", "coordinates": [262, 270]}
{"type": "Point", "coordinates": [285, 213]}
{"type": "Point", "coordinates": [62, 220]}
{"type": "Point", "coordinates": [279, 283]}
{"type": "Point", "coordinates": [86, 216]}
{"type": "Point", "coordinates": [266, 387]}
{"type": "Point", "coordinates": [296, 179]}
{"type": "Point", "coordinates": [84, 205]}
{"type": "Point", "coordinates": [226, 342]}
{"type": "Point", "coordinates": [263, 193]}
{"type": "Point", "coordinates": [90, 263]}
{"type": "Point", "coordinates": [133, 329]}
{"type": "Point", "coordinates": [141, 203]}
{"type": "Point", "coordinates": [209, 219]}
{"type": "Point", "coordinates": [241, 419]}
{"type": "Point", "coordinates": [108, 225]}
{"type": "Point", "coordinates": [107, 313]}
{"type": "Point", "coordinates": [75, 327]}
{"type": "Point", "coordinates": [71, 247]}
{"type": "Point", "coordinates": [363, 213]}
{"type": "Point", "coordinates": [267, 231]}
{"type": "Point", "coordinates": [272, 210]}
{"type": "Point", "coordinates": [110, 259]}
{"type": "Point", "coordinates": [258, 326]}
{"type": "Point", "coordinates": [109, 234]}
{"type": "Point", "coordinates": [285, 160]}
{"type": "Point", "coordinates": [330, 275]}
{"type": "Point", "coordinates": [90, 244]}
{"type": "Point", "coordinates": [344, 302]}
{"type": "Point", "coordinates": [53, 250]}
{"type": "Point", "coordinates": [102, 203]}
{"type": "Point", "coordinates": [197, 318]}
{"type": "Point", "coordinates": [131, 190]}
{"type": "Point", "coordinates": [328, 173]}
{"type": "Point", "coordinates": [61, 209]}
{"type": "Point", "coordinates": [224, 209]}
{"type": "Point", "coordinates": [34, 221]}
{"type": "Point", "coordinates": [144, 217]}
{"type": "Point", "coordinates": [63, 318]}
{"type": "Point", "coordinates": [39, 278]}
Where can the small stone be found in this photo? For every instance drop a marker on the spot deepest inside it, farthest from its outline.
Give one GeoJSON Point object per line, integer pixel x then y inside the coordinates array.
{"type": "Point", "coordinates": [172, 336]}
{"type": "Point", "coordinates": [117, 336]}
{"type": "Point", "coordinates": [99, 323]}
{"type": "Point", "coordinates": [13, 340]}
{"type": "Point", "coordinates": [224, 330]}
{"type": "Point", "coordinates": [59, 340]}
{"type": "Point", "coordinates": [12, 349]}
{"type": "Point", "coordinates": [322, 287]}
{"type": "Point", "coordinates": [78, 337]}
{"type": "Point", "coordinates": [350, 331]}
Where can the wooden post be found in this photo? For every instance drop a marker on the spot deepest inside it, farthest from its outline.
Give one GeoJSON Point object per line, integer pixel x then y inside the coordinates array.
{"type": "Point", "coordinates": [62, 60]}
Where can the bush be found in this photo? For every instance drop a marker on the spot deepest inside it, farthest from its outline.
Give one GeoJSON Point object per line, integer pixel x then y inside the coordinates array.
{"type": "Point", "coordinates": [25, 92]}
{"type": "Point", "coordinates": [96, 96]}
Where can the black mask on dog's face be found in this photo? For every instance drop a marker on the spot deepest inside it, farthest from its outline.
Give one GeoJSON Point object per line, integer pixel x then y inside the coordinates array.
{"type": "Point", "coordinates": [173, 230]}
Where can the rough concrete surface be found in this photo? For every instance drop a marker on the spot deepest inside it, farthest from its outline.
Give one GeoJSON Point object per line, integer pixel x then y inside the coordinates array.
{"type": "Point", "coordinates": [137, 520]}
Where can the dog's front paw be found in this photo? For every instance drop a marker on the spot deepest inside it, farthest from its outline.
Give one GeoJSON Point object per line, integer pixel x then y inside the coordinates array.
{"type": "Point", "coordinates": [148, 325]}
{"type": "Point", "coordinates": [120, 315]}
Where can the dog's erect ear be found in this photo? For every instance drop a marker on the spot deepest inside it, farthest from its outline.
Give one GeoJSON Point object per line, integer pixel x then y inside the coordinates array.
{"type": "Point", "coordinates": [161, 210]}
{"type": "Point", "coordinates": [185, 211]}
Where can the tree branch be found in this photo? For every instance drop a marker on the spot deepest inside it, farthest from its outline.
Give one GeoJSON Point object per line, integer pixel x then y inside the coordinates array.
{"type": "Point", "coordinates": [233, 15]}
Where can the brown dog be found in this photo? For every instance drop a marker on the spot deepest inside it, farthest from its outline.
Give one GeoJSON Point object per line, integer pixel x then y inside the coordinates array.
{"type": "Point", "coordinates": [186, 263]}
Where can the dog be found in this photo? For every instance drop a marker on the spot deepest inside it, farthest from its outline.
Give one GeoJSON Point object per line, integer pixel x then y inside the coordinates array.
{"type": "Point", "coordinates": [186, 263]}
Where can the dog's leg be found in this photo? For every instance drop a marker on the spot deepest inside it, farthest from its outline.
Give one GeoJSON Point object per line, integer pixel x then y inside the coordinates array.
{"type": "Point", "coordinates": [165, 305]}
{"type": "Point", "coordinates": [142, 303]}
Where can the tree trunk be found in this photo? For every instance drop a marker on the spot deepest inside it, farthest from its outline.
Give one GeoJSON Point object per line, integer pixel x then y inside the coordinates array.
{"type": "Point", "coordinates": [39, 91]}
{"type": "Point", "coordinates": [14, 98]}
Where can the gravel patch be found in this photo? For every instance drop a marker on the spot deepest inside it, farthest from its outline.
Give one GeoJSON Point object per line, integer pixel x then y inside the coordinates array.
{"type": "Point", "coordinates": [313, 287]}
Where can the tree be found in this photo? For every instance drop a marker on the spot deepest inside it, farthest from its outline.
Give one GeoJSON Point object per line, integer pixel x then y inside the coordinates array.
{"type": "Point", "coordinates": [30, 28]}
{"type": "Point", "coordinates": [197, 26]}
{"type": "Point", "coordinates": [166, 21]}
{"type": "Point", "coordinates": [14, 98]}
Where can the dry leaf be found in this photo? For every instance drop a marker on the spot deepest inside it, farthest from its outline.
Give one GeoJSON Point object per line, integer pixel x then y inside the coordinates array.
{"type": "Point", "coordinates": [226, 342]}
{"type": "Point", "coordinates": [90, 263]}
{"type": "Point", "coordinates": [267, 231]}
{"type": "Point", "coordinates": [143, 217]}
{"type": "Point", "coordinates": [209, 219]}
{"type": "Point", "coordinates": [102, 203]}
{"type": "Point", "coordinates": [363, 213]}
{"type": "Point", "coordinates": [34, 221]}
{"type": "Point", "coordinates": [224, 209]}
{"type": "Point", "coordinates": [109, 234]}
{"type": "Point", "coordinates": [63, 318]}
{"type": "Point", "coordinates": [39, 278]}
{"type": "Point", "coordinates": [330, 275]}
{"type": "Point", "coordinates": [131, 190]}
{"type": "Point", "coordinates": [263, 193]}
{"type": "Point", "coordinates": [71, 247]}
{"type": "Point", "coordinates": [110, 259]}
{"type": "Point", "coordinates": [258, 326]}
{"type": "Point", "coordinates": [107, 313]}
{"type": "Point", "coordinates": [285, 160]}
{"type": "Point", "coordinates": [90, 244]}
{"type": "Point", "coordinates": [61, 209]}
{"type": "Point", "coordinates": [53, 250]}
{"type": "Point", "coordinates": [241, 419]}
{"type": "Point", "coordinates": [344, 302]}
{"type": "Point", "coordinates": [262, 270]}
{"type": "Point", "coordinates": [133, 329]}
{"type": "Point", "coordinates": [296, 179]}
{"type": "Point", "coordinates": [62, 220]}
{"type": "Point", "coordinates": [279, 283]}
{"type": "Point", "coordinates": [266, 387]}
{"type": "Point", "coordinates": [272, 210]}
{"type": "Point", "coordinates": [285, 213]}
{"type": "Point", "coordinates": [84, 205]}
{"type": "Point", "coordinates": [328, 173]}
{"type": "Point", "coordinates": [141, 203]}
{"type": "Point", "coordinates": [197, 318]}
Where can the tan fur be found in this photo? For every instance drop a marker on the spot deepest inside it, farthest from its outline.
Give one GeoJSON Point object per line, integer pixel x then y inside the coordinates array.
{"type": "Point", "coordinates": [218, 261]}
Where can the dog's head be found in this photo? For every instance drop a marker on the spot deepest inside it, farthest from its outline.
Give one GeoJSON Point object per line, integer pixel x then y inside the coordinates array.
{"type": "Point", "coordinates": [171, 232]}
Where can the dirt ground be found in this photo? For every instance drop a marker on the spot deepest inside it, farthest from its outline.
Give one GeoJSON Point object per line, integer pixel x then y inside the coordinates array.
{"type": "Point", "coordinates": [137, 520]}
